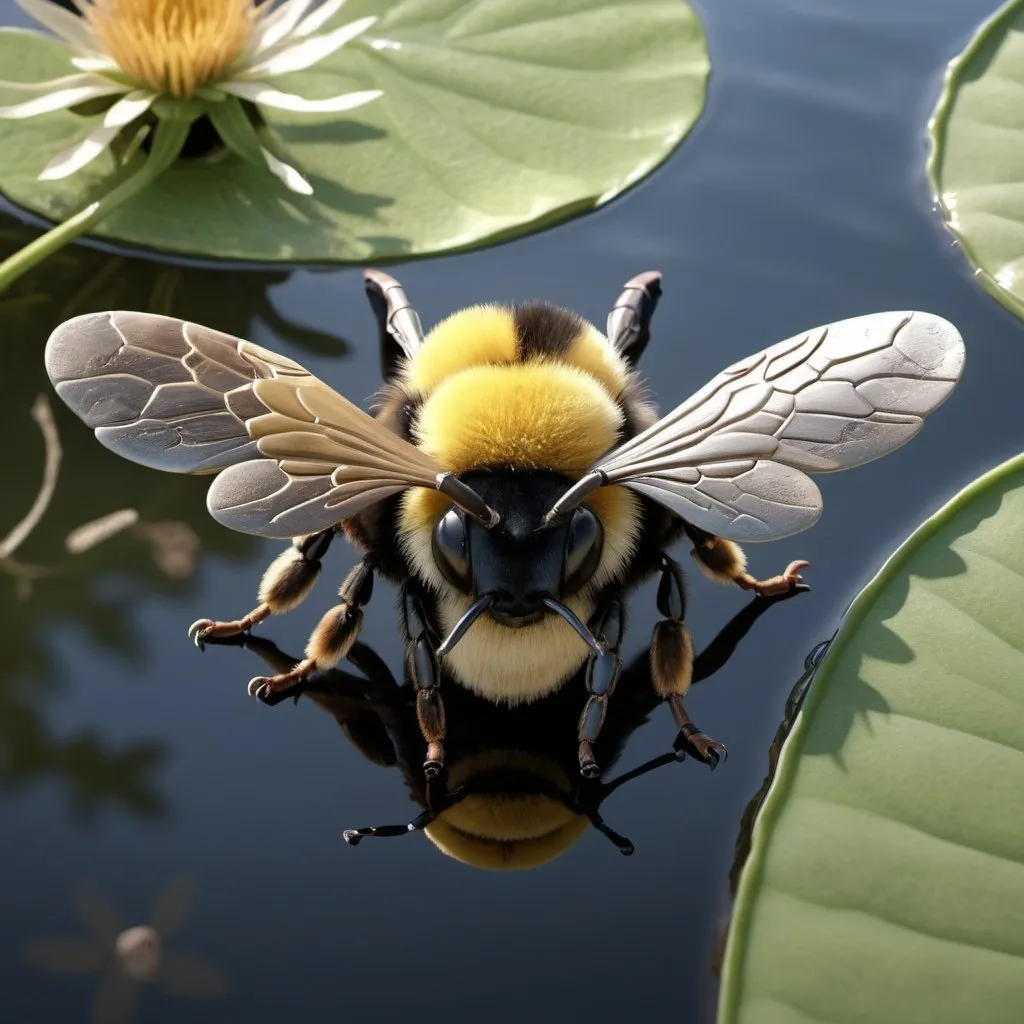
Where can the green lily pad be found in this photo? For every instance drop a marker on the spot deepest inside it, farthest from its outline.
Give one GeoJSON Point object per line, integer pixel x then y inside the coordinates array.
{"type": "Point", "coordinates": [499, 117]}
{"type": "Point", "coordinates": [886, 878]}
{"type": "Point", "coordinates": [977, 161]}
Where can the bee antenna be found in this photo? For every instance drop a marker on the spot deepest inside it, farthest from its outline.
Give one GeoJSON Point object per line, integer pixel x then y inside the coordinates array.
{"type": "Point", "coordinates": [354, 836]}
{"type": "Point", "coordinates": [475, 610]}
{"type": "Point", "coordinates": [556, 606]}
{"type": "Point", "coordinates": [574, 496]}
{"type": "Point", "coordinates": [467, 499]}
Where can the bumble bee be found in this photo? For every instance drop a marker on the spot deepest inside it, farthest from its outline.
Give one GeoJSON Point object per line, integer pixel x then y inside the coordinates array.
{"type": "Point", "coordinates": [513, 479]}
{"type": "Point", "coordinates": [510, 796]}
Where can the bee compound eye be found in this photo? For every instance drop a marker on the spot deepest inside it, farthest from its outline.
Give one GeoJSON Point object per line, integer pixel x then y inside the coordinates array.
{"type": "Point", "coordinates": [450, 548]}
{"type": "Point", "coordinates": [583, 546]}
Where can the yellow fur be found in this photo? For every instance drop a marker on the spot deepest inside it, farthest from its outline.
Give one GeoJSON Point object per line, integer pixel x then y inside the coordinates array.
{"type": "Point", "coordinates": [514, 665]}
{"type": "Point", "coordinates": [486, 335]}
{"type": "Point", "coordinates": [475, 336]}
{"type": "Point", "coordinates": [722, 562]}
{"type": "Point", "coordinates": [535, 415]}
{"type": "Point", "coordinates": [592, 353]}
{"type": "Point", "coordinates": [619, 512]}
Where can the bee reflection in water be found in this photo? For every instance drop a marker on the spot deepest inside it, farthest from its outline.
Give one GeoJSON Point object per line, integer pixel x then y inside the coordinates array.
{"type": "Point", "coordinates": [511, 794]}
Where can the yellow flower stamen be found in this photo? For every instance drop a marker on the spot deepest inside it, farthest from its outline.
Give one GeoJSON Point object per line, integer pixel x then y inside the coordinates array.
{"type": "Point", "coordinates": [173, 46]}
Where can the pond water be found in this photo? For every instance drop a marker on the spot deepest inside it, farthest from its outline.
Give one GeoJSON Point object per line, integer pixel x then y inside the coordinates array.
{"type": "Point", "coordinates": [127, 759]}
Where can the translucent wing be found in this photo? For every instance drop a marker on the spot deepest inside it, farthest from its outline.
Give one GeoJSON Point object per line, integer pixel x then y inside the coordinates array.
{"type": "Point", "coordinates": [296, 456]}
{"type": "Point", "coordinates": [733, 459]}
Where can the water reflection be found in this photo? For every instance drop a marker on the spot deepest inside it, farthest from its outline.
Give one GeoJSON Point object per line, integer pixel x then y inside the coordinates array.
{"type": "Point", "coordinates": [129, 958]}
{"type": "Point", "coordinates": [511, 794]}
{"type": "Point", "coordinates": [85, 536]}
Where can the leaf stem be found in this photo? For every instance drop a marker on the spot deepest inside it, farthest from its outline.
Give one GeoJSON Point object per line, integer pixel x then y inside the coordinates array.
{"type": "Point", "coordinates": [168, 140]}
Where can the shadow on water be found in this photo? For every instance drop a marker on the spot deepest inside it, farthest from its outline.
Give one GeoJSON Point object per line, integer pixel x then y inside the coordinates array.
{"type": "Point", "coordinates": [76, 517]}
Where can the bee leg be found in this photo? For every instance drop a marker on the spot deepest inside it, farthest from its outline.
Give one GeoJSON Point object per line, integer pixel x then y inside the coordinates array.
{"type": "Point", "coordinates": [672, 665]}
{"type": "Point", "coordinates": [287, 581]}
{"type": "Point", "coordinates": [692, 741]}
{"type": "Point", "coordinates": [334, 635]}
{"type": "Point", "coordinates": [602, 675]}
{"type": "Point", "coordinates": [401, 332]}
{"type": "Point", "coordinates": [426, 675]}
{"type": "Point", "coordinates": [629, 323]}
{"type": "Point", "coordinates": [725, 562]}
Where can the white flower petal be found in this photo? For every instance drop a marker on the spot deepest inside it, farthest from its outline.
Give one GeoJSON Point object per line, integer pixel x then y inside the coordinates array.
{"type": "Point", "coordinates": [100, 64]}
{"type": "Point", "coordinates": [291, 177]}
{"type": "Point", "coordinates": [309, 51]}
{"type": "Point", "coordinates": [60, 99]}
{"type": "Point", "coordinates": [279, 23]}
{"type": "Point", "coordinates": [260, 93]}
{"type": "Point", "coordinates": [70, 27]}
{"type": "Point", "coordinates": [125, 110]}
{"type": "Point", "coordinates": [82, 153]}
{"type": "Point", "coordinates": [65, 82]}
{"type": "Point", "coordinates": [323, 14]}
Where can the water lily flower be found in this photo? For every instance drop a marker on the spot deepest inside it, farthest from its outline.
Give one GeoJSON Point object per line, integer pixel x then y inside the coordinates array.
{"type": "Point", "coordinates": [154, 67]}
{"type": "Point", "coordinates": [179, 59]}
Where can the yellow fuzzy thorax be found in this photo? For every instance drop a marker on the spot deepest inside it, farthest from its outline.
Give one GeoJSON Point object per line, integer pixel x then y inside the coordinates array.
{"type": "Point", "coordinates": [487, 404]}
{"type": "Point", "coordinates": [533, 415]}
{"type": "Point", "coordinates": [486, 336]}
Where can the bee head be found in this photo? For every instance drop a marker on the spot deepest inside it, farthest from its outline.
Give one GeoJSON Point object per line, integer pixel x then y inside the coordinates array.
{"type": "Point", "coordinates": [520, 564]}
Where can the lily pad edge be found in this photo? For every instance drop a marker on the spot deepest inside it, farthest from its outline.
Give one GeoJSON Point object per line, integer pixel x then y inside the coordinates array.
{"type": "Point", "coordinates": [936, 133]}
{"type": "Point", "coordinates": [738, 935]}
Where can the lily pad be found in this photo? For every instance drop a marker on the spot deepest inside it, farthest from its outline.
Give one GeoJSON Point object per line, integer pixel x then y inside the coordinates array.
{"type": "Point", "coordinates": [886, 878]}
{"type": "Point", "coordinates": [498, 117]}
{"type": "Point", "coordinates": [977, 161]}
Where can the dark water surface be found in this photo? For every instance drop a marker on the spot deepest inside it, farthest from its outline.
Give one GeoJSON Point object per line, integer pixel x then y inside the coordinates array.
{"type": "Point", "coordinates": [126, 758]}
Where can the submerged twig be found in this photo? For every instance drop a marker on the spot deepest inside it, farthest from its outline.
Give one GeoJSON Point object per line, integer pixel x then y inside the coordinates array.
{"type": "Point", "coordinates": [88, 535]}
{"type": "Point", "coordinates": [44, 418]}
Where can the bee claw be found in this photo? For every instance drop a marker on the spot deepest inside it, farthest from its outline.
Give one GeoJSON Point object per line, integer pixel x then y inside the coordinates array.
{"type": "Point", "coordinates": [718, 753]}
{"type": "Point", "coordinates": [198, 632]}
{"type": "Point", "coordinates": [712, 752]}
{"type": "Point", "coordinates": [274, 689]}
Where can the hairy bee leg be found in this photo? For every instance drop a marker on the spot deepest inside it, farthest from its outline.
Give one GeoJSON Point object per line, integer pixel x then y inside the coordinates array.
{"type": "Point", "coordinates": [602, 674]}
{"type": "Point", "coordinates": [332, 638]}
{"type": "Point", "coordinates": [672, 663]}
{"type": "Point", "coordinates": [725, 562]}
{"type": "Point", "coordinates": [287, 581]}
{"type": "Point", "coordinates": [426, 676]}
